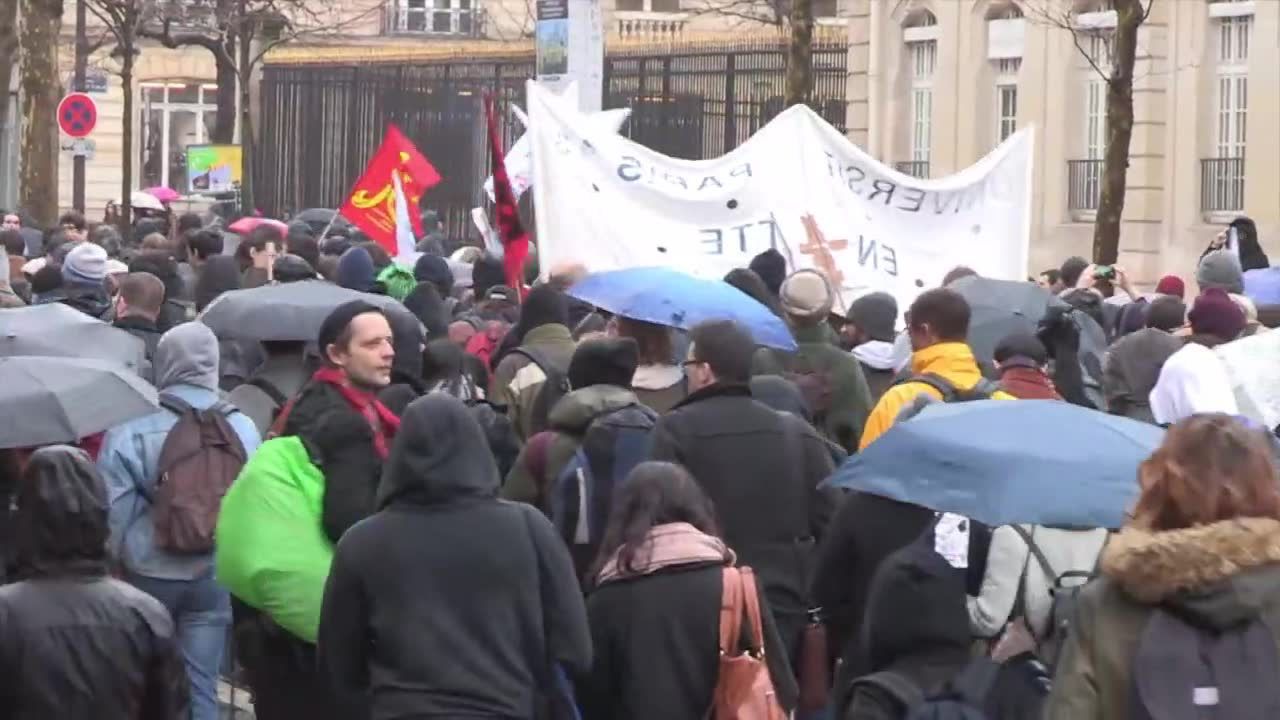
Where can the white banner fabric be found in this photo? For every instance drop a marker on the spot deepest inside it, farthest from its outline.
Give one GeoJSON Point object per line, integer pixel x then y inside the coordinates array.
{"type": "Point", "coordinates": [797, 185]}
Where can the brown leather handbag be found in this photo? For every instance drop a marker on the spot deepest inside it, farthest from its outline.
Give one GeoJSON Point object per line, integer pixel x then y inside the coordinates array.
{"type": "Point", "coordinates": [744, 690]}
{"type": "Point", "coordinates": [814, 665]}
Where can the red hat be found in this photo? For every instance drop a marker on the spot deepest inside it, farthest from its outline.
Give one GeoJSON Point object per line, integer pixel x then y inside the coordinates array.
{"type": "Point", "coordinates": [1215, 313]}
{"type": "Point", "coordinates": [1172, 285]}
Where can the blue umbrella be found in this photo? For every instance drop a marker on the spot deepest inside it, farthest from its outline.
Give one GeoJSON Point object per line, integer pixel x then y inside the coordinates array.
{"type": "Point", "coordinates": [1263, 286]}
{"type": "Point", "coordinates": [1043, 462]}
{"type": "Point", "coordinates": [669, 297]}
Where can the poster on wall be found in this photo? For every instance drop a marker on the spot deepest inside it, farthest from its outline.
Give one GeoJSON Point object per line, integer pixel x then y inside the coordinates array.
{"type": "Point", "coordinates": [569, 37]}
{"type": "Point", "coordinates": [213, 168]}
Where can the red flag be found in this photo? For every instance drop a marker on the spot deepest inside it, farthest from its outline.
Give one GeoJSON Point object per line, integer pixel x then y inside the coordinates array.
{"type": "Point", "coordinates": [515, 241]}
{"type": "Point", "coordinates": [371, 206]}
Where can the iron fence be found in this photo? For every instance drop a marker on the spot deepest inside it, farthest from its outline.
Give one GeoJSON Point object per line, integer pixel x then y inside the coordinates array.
{"type": "Point", "coordinates": [1222, 184]}
{"type": "Point", "coordinates": [321, 123]}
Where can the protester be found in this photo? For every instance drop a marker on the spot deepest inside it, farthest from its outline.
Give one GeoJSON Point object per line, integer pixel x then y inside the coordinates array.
{"type": "Point", "coordinates": [1050, 280]}
{"type": "Point", "coordinates": [771, 267]}
{"type": "Point", "coordinates": [256, 253]}
{"type": "Point", "coordinates": [425, 302]}
{"type": "Point", "coordinates": [9, 298]}
{"type": "Point", "coordinates": [407, 343]}
{"type": "Point", "coordinates": [937, 323]}
{"type": "Point", "coordinates": [1173, 286]}
{"type": "Point", "coordinates": [418, 569]}
{"type": "Point", "coordinates": [1194, 380]}
{"type": "Point", "coordinates": [1250, 310]}
{"type": "Point", "coordinates": [46, 285]}
{"type": "Point", "coordinates": [1071, 271]}
{"type": "Point", "coordinates": [750, 284]}
{"type": "Point", "coordinates": [658, 382]}
{"type": "Point", "coordinates": [1133, 366]}
{"type": "Point", "coordinates": [869, 332]}
{"type": "Point", "coordinates": [761, 468]}
{"type": "Point", "coordinates": [201, 246]}
{"type": "Point", "coordinates": [133, 462]}
{"type": "Point", "coordinates": [1245, 247]}
{"type": "Point", "coordinates": [1215, 319]}
{"type": "Point", "coordinates": [1167, 313]}
{"type": "Point", "coordinates": [268, 389]}
{"type": "Point", "coordinates": [74, 225]}
{"type": "Point", "coordinates": [160, 264]}
{"type": "Point", "coordinates": [831, 380]}
{"type": "Point", "coordinates": [1220, 269]}
{"type": "Point", "coordinates": [543, 352]}
{"type": "Point", "coordinates": [83, 273]}
{"type": "Point", "coordinates": [655, 605]}
{"type": "Point", "coordinates": [15, 247]}
{"type": "Point", "coordinates": [435, 270]}
{"type": "Point", "coordinates": [290, 268]}
{"type": "Point", "coordinates": [1195, 569]}
{"type": "Point", "coordinates": [137, 306]}
{"type": "Point", "coordinates": [76, 644]}
{"type": "Point", "coordinates": [1022, 361]}
{"type": "Point", "coordinates": [958, 272]}
{"type": "Point", "coordinates": [218, 274]}
{"type": "Point", "coordinates": [356, 271]}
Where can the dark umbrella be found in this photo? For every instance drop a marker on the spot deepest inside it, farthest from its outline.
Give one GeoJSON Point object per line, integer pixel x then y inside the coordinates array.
{"type": "Point", "coordinates": [60, 400]}
{"type": "Point", "coordinates": [57, 330]}
{"type": "Point", "coordinates": [998, 308]}
{"type": "Point", "coordinates": [319, 218]}
{"type": "Point", "coordinates": [292, 311]}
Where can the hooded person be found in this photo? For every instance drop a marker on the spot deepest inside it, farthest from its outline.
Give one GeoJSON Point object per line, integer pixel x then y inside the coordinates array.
{"type": "Point", "coordinates": [869, 332]}
{"type": "Point", "coordinates": [1022, 359]}
{"type": "Point", "coordinates": [1245, 246]}
{"type": "Point", "coordinates": [771, 267]}
{"type": "Point", "coordinates": [75, 643]}
{"type": "Point", "coordinates": [435, 270]}
{"type": "Point", "coordinates": [748, 282]}
{"type": "Point", "coordinates": [84, 272]}
{"type": "Point", "coordinates": [408, 341]}
{"type": "Point", "coordinates": [185, 368]}
{"type": "Point", "coordinates": [542, 346]}
{"type": "Point", "coordinates": [426, 303]}
{"type": "Point", "coordinates": [831, 379]}
{"type": "Point", "coordinates": [356, 271]}
{"type": "Point", "coordinates": [418, 569]}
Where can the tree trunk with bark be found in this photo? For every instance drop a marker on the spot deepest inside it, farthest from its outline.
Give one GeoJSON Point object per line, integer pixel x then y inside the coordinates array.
{"type": "Point", "coordinates": [224, 129]}
{"type": "Point", "coordinates": [126, 134]}
{"type": "Point", "coordinates": [1106, 227]}
{"type": "Point", "coordinates": [41, 91]}
{"type": "Point", "coordinates": [244, 76]}
{"type": "Point", "coordinates": [799, 80]}
{"type": "Point", "coordinates": [8, 56]}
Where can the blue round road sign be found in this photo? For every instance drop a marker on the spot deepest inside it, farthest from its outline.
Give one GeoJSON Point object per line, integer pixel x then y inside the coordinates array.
{"type": "Point", "coordinates": [77, 115]}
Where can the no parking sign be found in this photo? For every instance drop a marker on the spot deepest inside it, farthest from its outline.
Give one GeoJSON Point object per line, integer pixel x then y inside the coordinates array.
{"type": "Point", "coordinates": [77, 115]}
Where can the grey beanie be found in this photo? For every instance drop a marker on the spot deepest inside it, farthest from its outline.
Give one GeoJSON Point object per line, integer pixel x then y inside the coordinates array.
{"type": "Point", "coordinates": [806, 295]}
{"type": "Point", "coordinates": [1220, 269]}
{"type": "Point", "coordinates": [86, 264]}
{"type": "Point", "coordinates": [877, 314]}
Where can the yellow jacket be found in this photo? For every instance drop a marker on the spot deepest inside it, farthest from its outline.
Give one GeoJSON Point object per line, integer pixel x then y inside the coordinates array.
{"type": "Point", "coordinates": [953, 361]}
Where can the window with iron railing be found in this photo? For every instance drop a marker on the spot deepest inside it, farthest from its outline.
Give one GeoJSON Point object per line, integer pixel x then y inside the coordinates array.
{"type": "Point", "coordinates": [434, 17]}
{"type": "Point", "coordinates": [914, 168]}
{"type": "Point", "coordinates": [1222, 176]}
{"type": "Point", "coordinates": [1084, 185]}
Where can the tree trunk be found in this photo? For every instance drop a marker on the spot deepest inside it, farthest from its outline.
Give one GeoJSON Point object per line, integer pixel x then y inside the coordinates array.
{"type": "Point", "coordinates": [245, 75]}
{"type": "Point", "coordinates": [799, 82]}
{"type": "Point", "coordinates": [224, 130]}
{"type": "Point", "coordinates": [38, 177]}
{"type": "Point", "coordinates": [8, 54]}
{"type": "Point", "coordinates": [126, 136]}
{"type": "Point", "coordinates": [1115, 166]}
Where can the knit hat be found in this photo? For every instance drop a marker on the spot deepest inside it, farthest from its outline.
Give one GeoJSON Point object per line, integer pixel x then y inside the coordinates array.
{"type": "Point", "coordinates": [1221, 269]}
{"type": "Point", "coordinates": [355, 270]}
{"type": "Point", "coordinates": [545, 305]}
{"type": "Point", "coordinates": [291, 268]}
{"type": "Point", "coordinates": [1215, 313]}
{"type": "Point", "coordinates": [396, 281]}
{"type": "Point", "coordinates": [86, 264]}
{"type": "Point", "coordinates": [772, 269]}
{"type": "Point", "coordinates": [1172, 285]}
{"type": "Point", "coordinates": [435, 270]}
{"type": "Point", "coordinates": [1167, 313]}
{"type": "Point", "coordinates": [486, 273]}
{"type": "Point", "coordinates": [876, 314]}
{"type": "Point", "coordinates": [607, 361]}
{"type": "Point", "coordinates": [806, 295]}
{"type": "Point", "coordinates": [338, 321]}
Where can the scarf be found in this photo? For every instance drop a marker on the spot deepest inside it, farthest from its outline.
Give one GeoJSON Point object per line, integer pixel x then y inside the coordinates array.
{"type": "Point", "coordinates": [382, 421]}
{"type": "Point", "coordinates": [1027, 382]}
{"type": "Point", "coordinates": [667, 546]}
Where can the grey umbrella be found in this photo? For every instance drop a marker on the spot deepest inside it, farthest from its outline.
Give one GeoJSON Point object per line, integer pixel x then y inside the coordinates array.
{"type": "Point", "coordinates": [291, 311]}
{"type": "Point", "coordinates": [1000, 307]}
{"type": "Point", "coordinates": [61, 331]}
{"type": "Point", "coordinates": [56, 399]}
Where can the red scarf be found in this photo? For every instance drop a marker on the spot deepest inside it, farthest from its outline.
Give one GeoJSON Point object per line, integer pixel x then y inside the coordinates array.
{"type": "Point", "coordinates": [384, 423]}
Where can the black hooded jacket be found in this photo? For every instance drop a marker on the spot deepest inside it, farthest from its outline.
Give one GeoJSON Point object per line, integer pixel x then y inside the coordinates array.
{"type": "Point", "coordinates": [449, 602]}
{"type": "Point", "coordinates": [74, 643]}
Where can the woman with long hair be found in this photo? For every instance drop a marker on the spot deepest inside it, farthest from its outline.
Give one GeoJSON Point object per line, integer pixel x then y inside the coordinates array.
{"type": "Point", "coordinates": [655, 607]}
{"type": "Point", "coordinates": [1187, 610]}
{"type": "Point", "coordinates": [658, 381]}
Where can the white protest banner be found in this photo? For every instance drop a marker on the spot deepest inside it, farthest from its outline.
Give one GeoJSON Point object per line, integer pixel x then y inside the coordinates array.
{"type": "Point", "coordinates": [518, 161]}
{"type": "Point", "coordinates": [797, 185]}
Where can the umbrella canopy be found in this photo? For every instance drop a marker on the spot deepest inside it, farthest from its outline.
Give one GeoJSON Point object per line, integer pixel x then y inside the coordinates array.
{"type": "Point", "coordinates": [1263, 286]}
{"type": "Point", "coordinates": [163, 194]}
{"type": "Point", "coordinates": [999, 462]}
{"type": "Point", "coordinates": [998, 308]}
{"type": "Point", "coordinates": [669, 297]}
{"type": "Point", "coordinates": [145, 201]}
{"type": "Point", "coordinates": [318, 218]}
{"type": "Point", "coordinates": [60, 400]}
{"type": "Point", "coordinates": [246, 225]}
{"type": "Point", "coordinates": [58, 330]}
{"type": "Point", "coordinates": [291, 311]}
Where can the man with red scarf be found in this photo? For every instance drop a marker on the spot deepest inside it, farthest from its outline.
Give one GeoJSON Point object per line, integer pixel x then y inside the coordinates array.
{"type": "Point", "coordinates": [348, 433]}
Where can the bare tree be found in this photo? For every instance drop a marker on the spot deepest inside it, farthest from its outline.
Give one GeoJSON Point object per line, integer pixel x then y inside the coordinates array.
{"type": "Point", "coordinates": [181, 25]}
{"type": "Point", "coordinates": [40, 25]}
{"type": "Point", "coordinates": [799, 83]}
{"type": "Point", "coordinates": [8, 54]}
{"type": "Point", "coordinates": [1116, 67]}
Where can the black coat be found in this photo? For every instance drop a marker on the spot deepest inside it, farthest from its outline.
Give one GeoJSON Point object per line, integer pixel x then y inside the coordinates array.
{"type": "Point", "coordinates": [449, 602]}
{"type": "Point", "coordinates": [656, 646]}
{"type": "Point", "coordinates": [143, 329]}
{"type": "Point", "coordinates": [340, 442]}
{"type": "Point", "coordinates": [761, 469]}
{"type": "Point", "coordinates": [88, 648]}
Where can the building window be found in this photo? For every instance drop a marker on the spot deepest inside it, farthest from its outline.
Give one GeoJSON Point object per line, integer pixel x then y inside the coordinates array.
{"type": "Point", "coordinates": [443, 17]}
{"type": "Point", "coordinates": [1222, 176]}
{"type": "Point", "coordinates": [1098, 47]}
{"type": "Point", "coordinates": [1007, 97]}
{"type": "Point", "coordinates": [175, 115]}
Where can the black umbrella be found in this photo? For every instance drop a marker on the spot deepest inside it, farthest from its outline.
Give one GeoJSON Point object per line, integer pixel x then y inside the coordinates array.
{"type": "Point", "coordinates": [292, 311]}
{"type": "Point", "coordinates": [998, 308]}
{"type": "Point", "coordinates": [60, 400]}
{"type": "Point", "coordinates": [61, 331]}
{"type": "Point", "coordinates": [319, 218]}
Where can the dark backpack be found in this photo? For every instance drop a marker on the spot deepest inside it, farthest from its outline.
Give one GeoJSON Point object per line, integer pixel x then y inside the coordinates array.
{"type": "Point", "coordinates": [983, 390]}
{"type": "Point", "coordinates": [1062, 608]}
{"type": "Point", "coordinates": [816, 386]}
{"type": "Point", "coordinates": [962, 698]}
{"type": "Point", "coordinates": [270, 390]}
{"type": "Point", "coordinates": [200, 458]}
{"type": "Point", "coordinates": [549, 393]}
{"type": "Point", "coordinates": [581, 495]}
{"type": "Point", "coordinates": [1184, 672]}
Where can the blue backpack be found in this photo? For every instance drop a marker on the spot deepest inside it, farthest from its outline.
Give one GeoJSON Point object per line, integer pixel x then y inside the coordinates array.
{"type": "Point", "coordinates": [582, 493]}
